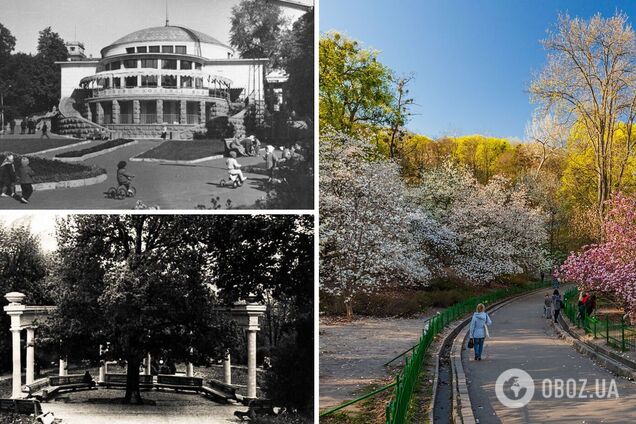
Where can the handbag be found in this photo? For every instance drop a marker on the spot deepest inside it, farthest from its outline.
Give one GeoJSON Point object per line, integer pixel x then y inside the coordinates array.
{"type": "Point", "coordinates": [486, 331]}
{"type": "Point", "coordinates": [471, 343]}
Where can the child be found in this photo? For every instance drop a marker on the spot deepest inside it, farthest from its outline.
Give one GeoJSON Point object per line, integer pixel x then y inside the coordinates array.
{"type": "Point", "coordinates": [270, 161]}
{"type": "Point", "coordinates": [123, 178]}
{"type": "Point", "coordinates": [7, 176]}
{"type": "Point", "coordinates": [233, 167]}
{"type": "Point", "coordinates": [25, 177]}
{"type": "Point", "coordinates": [547, 306]}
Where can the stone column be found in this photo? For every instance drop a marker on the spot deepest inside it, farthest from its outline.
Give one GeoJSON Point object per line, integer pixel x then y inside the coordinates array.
{"type": "Point", "coordinates": [148, 364]}
{"type": "Point", "coordinates": [159, 111]}
{"type": "Point", "coordinates": [102, 366]}
{"type": "Point", "coordinates": [227, 369]}
{"type": "Point", "coordinates": [189, 369]}
{"type": "Point", "coordinates": [30, 355]}
{"type": "Point", "coordinates": [100, 113]}
{"type": "Point", "coordinates": [184, 110]}
{"type": "Point", "coordinates": [63, 368]}
{"type": "Point", "coordinates": [17, 364]}
{"type": "Point", "coordinates": [202, 117]}
{"type": "Point", "coordinates": [178, 81]}
{"type": "Point", "coordinates": [136, 111]}
{"type": "Point", "coordinates": [251, 364]}
{"type": "Point", "coordinates": [116, 112]}
{"type": "Point", "coordinates": [87, 112]}
{"type": "Point", "coordinates": [138, 80]}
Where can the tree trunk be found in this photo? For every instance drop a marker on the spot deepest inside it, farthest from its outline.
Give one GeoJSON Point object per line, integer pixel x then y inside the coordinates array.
{"type": "Point", "coordinates": [349, 308]}
{"type": "Point", "coordinates": [132, 382]}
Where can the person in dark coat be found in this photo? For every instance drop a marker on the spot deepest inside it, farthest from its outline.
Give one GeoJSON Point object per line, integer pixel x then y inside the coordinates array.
{"type": "Point", "coordinates": [23, 126]}
{"type": "Point", "coordinates": [12, 125]}
{"type": "Point", "coordinates": [7, 176]}
{"type": "Point", "coordinates": [45, 130]}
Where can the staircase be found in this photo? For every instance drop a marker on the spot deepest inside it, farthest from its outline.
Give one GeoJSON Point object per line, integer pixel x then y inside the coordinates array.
{"type": "Point", "coordinates": [71, 122]}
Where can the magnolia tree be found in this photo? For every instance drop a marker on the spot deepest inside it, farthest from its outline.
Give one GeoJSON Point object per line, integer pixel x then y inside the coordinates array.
{"type": "Point", "coordinates": [489, 230]}
{"type": "Point", "coordinates": [610, 267]}
{"type": "Point", "coordinates": [366, 241]}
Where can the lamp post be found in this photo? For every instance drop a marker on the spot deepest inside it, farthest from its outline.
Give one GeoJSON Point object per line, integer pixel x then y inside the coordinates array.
{"type": "Point", "coordinates": [2, 107]}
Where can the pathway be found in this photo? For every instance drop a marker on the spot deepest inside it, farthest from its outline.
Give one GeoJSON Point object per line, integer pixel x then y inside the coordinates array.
{"type": "Point", "coordinates": [521, 338]}
{"type": "Point", "coordinates": [168, 186]}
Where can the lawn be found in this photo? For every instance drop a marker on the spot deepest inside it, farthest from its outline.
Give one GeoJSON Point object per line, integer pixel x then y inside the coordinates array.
{"type": "Point", "coordinates": [103, 146]}
{"type": "Point", "coordinates": [47, 170]}
{"type": "Point", "coordinates": [185, 150]}
{"type": "Point", "coordinates": [30, 144]}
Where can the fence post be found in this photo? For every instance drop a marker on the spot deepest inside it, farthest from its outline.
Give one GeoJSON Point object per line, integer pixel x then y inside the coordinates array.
{"type": "Point", "coordinates": [623, 333]}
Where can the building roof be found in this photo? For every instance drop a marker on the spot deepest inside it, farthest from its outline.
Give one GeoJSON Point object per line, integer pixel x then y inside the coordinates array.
{"type": "Point", "coordinates": [168, 33]}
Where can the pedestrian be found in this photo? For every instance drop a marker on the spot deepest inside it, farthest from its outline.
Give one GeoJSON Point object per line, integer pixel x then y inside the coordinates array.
{"type": "Point", "coordinates": [542, 277]}
{"type": "Point", "coordinates": [590, 305]}
{"type": "Point", "coordinates": [557, 304]}
{"type": "Point", "coordinates": [7, 176]}
{"type": "Point", "coordinates": [270, 161]}
{"type": "Point", "coordinates": [12, 125]}
{"type": "Point", "coordinates": [25, 179]}
{"type": "Point", "coordinates": [555, 282]}
{"type": "Point", "coordinates": [45, 130]}
{"type": "Point", "coordinates": [164, 133]}
{"type": "Point", "coordinates": [31, 125]}
{"type": "Point", "coordinates": [547, 306]}
{"type": "Point", "coordinates": [23, 126]}
{"type": "Point", "coordinates": [580, 305]}
{"type": "Point", "coordinates": [478, 329]}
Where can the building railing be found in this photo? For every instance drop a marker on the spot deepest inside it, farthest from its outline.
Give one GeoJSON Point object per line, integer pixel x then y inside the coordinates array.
{"type": "Point", "coordinates": [125, 119]}
{"type": "Point", "coordinates": [148, 118]}
{"type": "Point", "coordinates": [192, 118]}
{"type": "Point", "coordinates": [151, 91]}
{"type": "Point", "coordinates": [171, 118]}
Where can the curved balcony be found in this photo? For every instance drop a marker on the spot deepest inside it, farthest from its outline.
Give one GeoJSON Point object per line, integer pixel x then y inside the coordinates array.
{"type": "Point", "coordinates": [153, 92]}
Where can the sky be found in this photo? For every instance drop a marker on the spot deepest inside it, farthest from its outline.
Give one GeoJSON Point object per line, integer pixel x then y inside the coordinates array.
{"type": "Point", "coordinates": [473, 60]}
{"type": "Point", "coordinates": [99, 23]}
{"type": "Point", "coordinates": [41, 225]}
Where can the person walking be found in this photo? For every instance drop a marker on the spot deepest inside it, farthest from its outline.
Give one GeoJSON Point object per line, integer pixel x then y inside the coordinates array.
{"type": "Point", "coordinates": [23, 126]}
{"type": "Point", "coordinates": [7, 176]}
{"type": "Point", "coordinates": [590, 305]}
{"type": "Point", "coordinates": [25, 178]}
{"type": "Point", "coordinates": [45, 130]}
{"type": "Point", "coordinates": [270, 161]}
{"type": "Point", "coordinates": [547, 306]}
{"type": "Point", "coordinates": [557, 304]}
{"type": "Point", "coordinates": [12, 125]}
{"type": "Point", "coordinates": [478, 330]}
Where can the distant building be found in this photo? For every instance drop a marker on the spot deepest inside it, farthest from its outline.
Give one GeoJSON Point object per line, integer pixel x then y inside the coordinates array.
{"type": "Point", "coordinates": [168, 75]}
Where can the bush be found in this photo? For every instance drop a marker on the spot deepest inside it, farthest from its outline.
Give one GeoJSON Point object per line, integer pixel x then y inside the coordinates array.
{"type": "Point", "coordinates": [99, 147]}
{"type": "Point", "coordinates": [47, 170]}
{"type": "Point", "coordinates": [219, 127]}
{"type": "Point", "coordinates": [11, 418]}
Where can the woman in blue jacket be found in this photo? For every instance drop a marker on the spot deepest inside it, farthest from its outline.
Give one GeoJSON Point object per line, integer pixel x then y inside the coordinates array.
{"type": "Point", "coordinates": [477, 330]}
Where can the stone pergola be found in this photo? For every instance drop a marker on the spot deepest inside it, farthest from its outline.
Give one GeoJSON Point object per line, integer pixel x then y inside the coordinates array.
{"type": "Point", "coordinates": [23, 317]}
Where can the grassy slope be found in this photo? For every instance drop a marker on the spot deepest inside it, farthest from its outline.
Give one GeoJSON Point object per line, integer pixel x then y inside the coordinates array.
{"type": "Point", "coordinates": [185, 149]}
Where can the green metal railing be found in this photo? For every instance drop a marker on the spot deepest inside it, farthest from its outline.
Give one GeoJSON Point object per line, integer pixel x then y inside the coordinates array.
{"type": "Point", "coordinates": [616, 333]}
{"type": "Point", "coordinates": [398, 407]}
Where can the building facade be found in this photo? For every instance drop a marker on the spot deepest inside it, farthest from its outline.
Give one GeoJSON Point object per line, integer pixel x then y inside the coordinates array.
{"type": "Point", "coordinates": [162, 76]}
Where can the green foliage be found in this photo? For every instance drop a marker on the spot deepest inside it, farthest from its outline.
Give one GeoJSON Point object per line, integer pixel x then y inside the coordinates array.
{"type": "Point", "coordinates": [298, 61]}
{"type": "Point", "coordinates": [7, 42]}
{"type": "Point", "coordinates": [47, 170]}
{"type": "Point", "coordinates": [355, 88]}
{"type": "Point", "coordinates": [219, 127]}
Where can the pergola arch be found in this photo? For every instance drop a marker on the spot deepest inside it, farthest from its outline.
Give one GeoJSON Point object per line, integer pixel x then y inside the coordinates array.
{"type": "Point", "coordinates": [24, 317]}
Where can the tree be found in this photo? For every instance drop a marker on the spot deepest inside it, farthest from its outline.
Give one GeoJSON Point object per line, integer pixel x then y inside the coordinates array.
{"type": "Point", "coordinates": [609, 268]}
{"type": "Point", "coordinates": [365, 242]}
{"type": "Point", "coordinates": [51, 46]}
{"type": "Point", "coordinates": [139, 283]}
{"type": "Point", "coordinates": [399, 113]}
{"type": "Point", "coordinates": [355, 88]}
{"type": "Point", "coordinates": [549, 133]}
{"type": "Point", "coordinates": [7, 42]}
{"type": "Point", "coordinates": [256, 29]}
{"type": "Point", "coordinates": [298, 61]}
{"type": "Point", "coordinates": [590, 75]}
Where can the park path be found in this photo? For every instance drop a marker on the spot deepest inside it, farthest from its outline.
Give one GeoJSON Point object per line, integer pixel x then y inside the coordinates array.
{"type": "Point", "coordinates": [352, 354]}
{"type": "Point", "coordinates": [168, 186]}
{"type": "Point", "coordinates": [521, 338]}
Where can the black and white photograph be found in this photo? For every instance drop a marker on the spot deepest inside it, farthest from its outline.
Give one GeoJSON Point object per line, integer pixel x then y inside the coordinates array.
{"type": "Point", "coordinates": [157, 104]}
{"type": "Point", "coordinates": [156, 318]}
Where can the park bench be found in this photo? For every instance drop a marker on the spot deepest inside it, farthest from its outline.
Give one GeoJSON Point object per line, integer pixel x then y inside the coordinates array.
{"type": "Point", "coordinates": [29, 407]}
{"type": "Point", "coordinates": [219, 391]}
{"type": "Point", "coordinates": [257, 408]}
{"type": "Point", "coordinates": [118, 380]}
{"type": "Point", "coordinates": [34, 390]}
{"type": "Point", "coordinates": [179, 382]}
{"type": "Point", "coordinates": [68, 383]}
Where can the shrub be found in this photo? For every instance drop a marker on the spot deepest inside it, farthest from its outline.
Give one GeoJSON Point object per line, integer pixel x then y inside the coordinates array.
{"type": "Point", "coordinates": [99, 147]}
{"type": "Point", "coordinates": [219, 127]}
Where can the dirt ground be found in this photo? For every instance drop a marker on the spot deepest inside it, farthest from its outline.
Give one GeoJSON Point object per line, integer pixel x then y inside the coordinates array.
{"type": "Point", "coordinates": [352, 354]}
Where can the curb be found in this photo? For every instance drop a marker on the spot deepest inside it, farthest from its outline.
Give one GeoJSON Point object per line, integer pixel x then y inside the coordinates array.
{"type": "Point", "coordinates": [597, 353]}
{"type": "Point", "coordinates": [95, 154]}
{"type": "Point", "coordinates": [54, 149]}
{"type": "Point", "coordinates": [176, 162]}
{"type": "Point", "coordinates": [66, 184]}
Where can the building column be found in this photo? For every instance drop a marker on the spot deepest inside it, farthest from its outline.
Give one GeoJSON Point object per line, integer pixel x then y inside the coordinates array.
{"type": "Point", "coordinates": [159, 111]}
{"type": "Point", "coordinates": [202, 117]}
{"type": "Point", "coordinates": [102, 367]}
{"type": "Point", "coordinates": [148, 364]}
{"type": "Point", "coordinates": [99, 110]}
{"type": "Point", "coordinates": [138, 80]}
{"type": "Point", "coordinates": [159, 81]}
{"type": "Point", "coordinates": [30, 355]}
{"type": "Point", "coordinates": [87, 112]}
{"type": "Point", "coordinates": [63, 367]}
{"type": "Point", "coordinates": [136, 111]}
{"type": "Point", "coordinates": [184, 110]}
{"type": "Point", "coordinates": [251, 364]}
{"type": "Point", "coordinates": [116, 112]}
{"type": "Point", "coordinates": [189, 369]}
{"type": "Point", "coordinates": [178, 81]}
{"type": "Point", "coordinates": [16, 391]}
{"type": "Point", "coordinates": [227, 369]}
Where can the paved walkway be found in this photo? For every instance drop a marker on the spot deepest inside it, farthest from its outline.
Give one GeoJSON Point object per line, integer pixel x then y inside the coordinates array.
{"type": "Point", "coordinates": [521, 338]}
{"type": "Point", "coordinates": [171, 408]}
{"type": "Point", "coordinates": [168, 186]}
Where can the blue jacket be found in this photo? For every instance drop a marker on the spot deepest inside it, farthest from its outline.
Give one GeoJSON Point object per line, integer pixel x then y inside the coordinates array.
{"type": "Point", "coordinates": [477, 324]}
